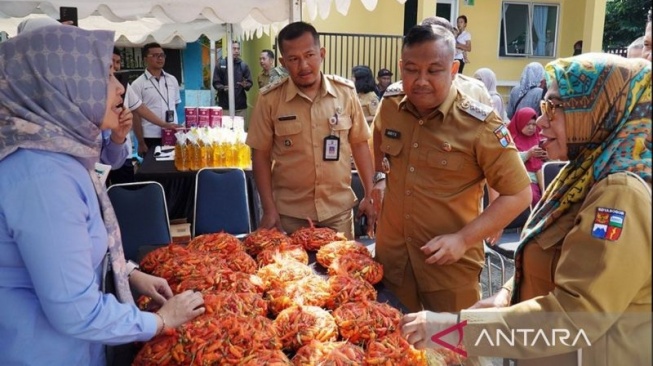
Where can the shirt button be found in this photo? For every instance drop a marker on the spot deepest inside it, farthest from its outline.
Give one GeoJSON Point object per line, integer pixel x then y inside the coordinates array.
{"type": "Point", "coordinates": [408, 193]}
{"type": "Point", "coordinates": [411, 169]}
{"type": "Point", "coordinates": [407, 217]}
{"type": "Point", "coordinates": [415, 145]}
{"type": "Point", "coordinates": [443, 162]}
{"type": "Point", "coordinates": [420, 122]}
{"type": "Point", "coordinates": [409, 239]}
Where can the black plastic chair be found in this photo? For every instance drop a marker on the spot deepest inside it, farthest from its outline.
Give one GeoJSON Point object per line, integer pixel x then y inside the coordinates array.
{"type": "Point", "coordinates": [142, 216]}
{"type": "Point", "coordinates": [221, 202]}
{"type": "Point", "coordinates": [550, 171]}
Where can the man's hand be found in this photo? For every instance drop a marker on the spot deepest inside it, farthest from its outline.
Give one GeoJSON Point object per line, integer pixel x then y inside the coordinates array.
{"type": "Point", "coordinates": [499, 300]}
{"type": "Point", "coordinates": [120, 133]}
{"type": "Point", "coordinates": [418, 328]}
{"type": "Point", "coordinates": [172, 126]}
{"type": "Point", "coordinates": [444, 249]}
{"type": "Point", "coordinates": [155, 287]}
{"type": "Point", "coordinates": [366, 207]}
{"type": "Point", "coordinates": [271, 219]}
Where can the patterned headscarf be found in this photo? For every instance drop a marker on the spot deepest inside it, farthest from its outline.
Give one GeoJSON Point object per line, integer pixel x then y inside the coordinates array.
{"type": "Point", "coordinates": [53, 97]}
{"type": "Point", "coordinates": [531, 77]}
{"type": "Point", "coordinates": [607, 105]}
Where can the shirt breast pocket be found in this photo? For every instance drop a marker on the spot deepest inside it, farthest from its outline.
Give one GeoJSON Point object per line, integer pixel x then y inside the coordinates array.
{"type": "Point", "coordinates": [287, 136]}
{"type": "Point", "coordinates": [446, 171]}
{"type": "Point", "coordinates": [344, 124]}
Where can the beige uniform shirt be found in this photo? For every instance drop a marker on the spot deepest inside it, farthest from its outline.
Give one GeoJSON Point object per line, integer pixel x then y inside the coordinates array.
{"type": "Point", "coordinates": [293, 127]}
{"type": "Point", "coordinates": [574, 280]}
{"type": "Point", "coordinates": [369, 102]}
{"type": "Point", "coordinates": [438, 167]}
{"type": "Point", "coordinates": [473, 88]}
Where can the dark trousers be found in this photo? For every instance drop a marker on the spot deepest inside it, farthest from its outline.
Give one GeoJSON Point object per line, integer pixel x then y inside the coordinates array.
{"type": "Point", "coordinates": [462, 66]}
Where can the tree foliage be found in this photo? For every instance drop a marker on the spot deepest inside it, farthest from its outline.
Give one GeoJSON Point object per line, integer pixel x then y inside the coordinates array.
{"type": "Point", "coordinates": [625, 21]}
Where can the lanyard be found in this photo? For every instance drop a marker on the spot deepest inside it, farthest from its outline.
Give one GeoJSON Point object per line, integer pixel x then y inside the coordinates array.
{"type": "Point", "coordinates": [158, 91]}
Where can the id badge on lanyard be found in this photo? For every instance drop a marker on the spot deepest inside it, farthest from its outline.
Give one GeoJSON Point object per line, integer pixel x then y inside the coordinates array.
{"type": "Point", "coordinates": [332, 142]}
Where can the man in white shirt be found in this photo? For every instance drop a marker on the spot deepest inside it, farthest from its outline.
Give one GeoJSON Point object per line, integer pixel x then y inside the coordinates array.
{"type": "Point", "coordinates": [159, 91]}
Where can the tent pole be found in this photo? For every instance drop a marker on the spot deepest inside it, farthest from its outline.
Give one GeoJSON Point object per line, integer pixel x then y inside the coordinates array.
{"type": "Point", "coordinates": [230, 71]}
{"type": "Point", "coordinates": [295, 11]}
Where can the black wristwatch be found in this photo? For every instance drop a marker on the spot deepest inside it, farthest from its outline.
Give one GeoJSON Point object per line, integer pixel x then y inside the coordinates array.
{"type": "Point", "coordinates": [378, 176]}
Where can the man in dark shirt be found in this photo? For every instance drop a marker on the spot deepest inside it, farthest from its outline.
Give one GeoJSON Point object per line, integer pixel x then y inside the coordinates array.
{"type": "Point", "coordinates": [242, 82]}
{"type": "Point", "coordinates": [384, 77]}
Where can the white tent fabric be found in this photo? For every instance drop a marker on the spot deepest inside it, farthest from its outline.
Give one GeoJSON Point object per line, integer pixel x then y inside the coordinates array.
{"type": "Point", "coordinates": [173, 23]}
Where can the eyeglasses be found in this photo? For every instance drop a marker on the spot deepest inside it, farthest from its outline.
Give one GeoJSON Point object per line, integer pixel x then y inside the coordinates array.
{"type": "Point", "coordinates": [157, 55]}
{"type": "Point", "coordinates": [548, 108]}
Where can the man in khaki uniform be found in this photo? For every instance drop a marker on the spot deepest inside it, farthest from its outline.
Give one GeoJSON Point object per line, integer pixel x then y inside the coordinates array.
{"type": "Point", "coordinates": [439, 147]}
{"type": "Point", "coordinates": [269, 73]}
{"type": "Point", "coordinates": [309, 125]}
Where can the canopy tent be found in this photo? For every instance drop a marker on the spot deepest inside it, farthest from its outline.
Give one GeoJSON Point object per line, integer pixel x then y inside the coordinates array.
{"type": "Point", "coordinates": [173, 23]}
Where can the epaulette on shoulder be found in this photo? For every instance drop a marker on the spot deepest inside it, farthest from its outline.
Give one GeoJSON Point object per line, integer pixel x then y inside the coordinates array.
{"type": "Point", "coordinates": [341, 80]}
{"type": "Point", "coordinates": [273, 85]}
{"type": "Point", "coordinates": [394, 90]}
{"type": "Point", "coordinates": [474, 108]}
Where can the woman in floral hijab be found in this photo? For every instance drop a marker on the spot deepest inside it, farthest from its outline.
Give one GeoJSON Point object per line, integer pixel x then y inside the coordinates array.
{"type": "Point", "coordinates": [57, 91]}
{"type": "Point", "coordinates": [582, 279]}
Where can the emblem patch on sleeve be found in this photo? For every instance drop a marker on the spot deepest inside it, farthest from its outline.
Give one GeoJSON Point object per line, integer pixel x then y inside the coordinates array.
{"type": "Point", "coordinates": [608, 223]}
{"type": "Point", "coordinates": [503, 135]}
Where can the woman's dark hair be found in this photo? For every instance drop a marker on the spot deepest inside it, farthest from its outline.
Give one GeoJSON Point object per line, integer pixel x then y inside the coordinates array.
{"type": "Point", "coordinates": [363, 79]}
{"type": "Point", "coordinates": [296, 30]}
{"type": "Point", "coordinates": [463, 17]}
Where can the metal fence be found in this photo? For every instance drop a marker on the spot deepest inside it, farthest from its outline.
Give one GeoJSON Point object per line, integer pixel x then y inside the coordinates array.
{"type": "Point", "coordinates": [344, 51]}
{"type": "Point", "coordinates": [621, 51]}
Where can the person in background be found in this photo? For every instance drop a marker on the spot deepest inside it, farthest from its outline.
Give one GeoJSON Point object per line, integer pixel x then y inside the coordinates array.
{"type": "Point", "coordinates": [438, 148]}
{"type": "Point", "coordinates": [583, 266]}
{"type": "Point", "coordinates": [636, 48]}
{"type": "Point", "coordinates": [159, 92]}
{"type": "Point", "coordinates": [578, 48]}
{"type": "Point", "coordinates": [242, 82]}
{"type": "Point", "coordinates": [489, 79]}
{"type": "Point", "coordinates": [384, 78]}
{"type": "Point", "coordinates": [56, 220]}
{"type": "Point", "coordinates": [526, 136]}
{"type": "Point", "coordinates": [529, 92]}
{"type": "Point", "coordinates": [364, 81]}
{"type": "Point", "coordinates": [648, 41]}
{"type": "Point", "coordinates": [463, 43]}
{"type": "Point", "coordinates": [269, 74]}
{"type": "Point", "coordinates": [309, 124]}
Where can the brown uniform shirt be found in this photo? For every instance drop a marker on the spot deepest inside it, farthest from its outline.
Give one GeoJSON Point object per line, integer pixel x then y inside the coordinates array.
{"type": "Point", "coordinates": [369, 102]}
{"type": "Point", "coordinates": [573, 280]}
{"type": "Point", "coordinates": [438, 167]}
{"type": "Point", "coordinates": [287, 123]}
{"type": "Point", "coordinates": [473, 88]}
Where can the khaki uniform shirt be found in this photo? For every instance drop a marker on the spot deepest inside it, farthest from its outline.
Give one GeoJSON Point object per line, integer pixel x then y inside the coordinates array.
{"type": "Point", "coordinates": [573, 280]}
{"type": "Point", "coordinates": [473, 88]}
{"type": "Point", "coordinates": [369, 102]}
{"type": "Point", "coordinates": [438, 167]}
{"type": "Point", "coordinates": [287, 123]}
{"type": "Point", "coordinates": [275, 74]}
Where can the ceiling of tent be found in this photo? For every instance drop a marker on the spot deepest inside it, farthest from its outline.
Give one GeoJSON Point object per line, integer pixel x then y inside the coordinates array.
{"type": "Point", "coordinates": [172, 23]}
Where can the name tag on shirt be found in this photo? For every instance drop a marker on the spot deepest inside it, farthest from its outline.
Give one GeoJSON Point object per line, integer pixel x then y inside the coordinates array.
{"type": "Point", "coordinates": [287, 118]}
{"type": "Point", "coordinates": [392, 134]}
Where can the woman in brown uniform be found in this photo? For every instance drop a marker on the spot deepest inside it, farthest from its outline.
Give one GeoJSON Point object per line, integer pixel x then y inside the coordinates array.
{"type": "Point", "coordinates": [363, 78]}
{"type": "Point", "coordinates": [581, 294]}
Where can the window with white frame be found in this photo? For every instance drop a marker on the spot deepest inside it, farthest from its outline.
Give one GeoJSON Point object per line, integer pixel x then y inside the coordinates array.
{"type": "Point", "coordinates": [528, 29]}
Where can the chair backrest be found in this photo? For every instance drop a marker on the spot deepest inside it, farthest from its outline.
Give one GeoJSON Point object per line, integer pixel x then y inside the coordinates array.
{"type": "Point", "coordinates": [221, 202]}
{"type": "Point", "coordinates": [142, 215]}
{"type": "Point", "coordinates": [550, 171]}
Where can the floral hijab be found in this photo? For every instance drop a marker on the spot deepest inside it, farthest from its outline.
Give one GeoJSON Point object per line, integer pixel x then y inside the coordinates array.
{"type": "Point", "coordinates": [607, 106]}
{"type": "Point", "coordinates": [53, 96]}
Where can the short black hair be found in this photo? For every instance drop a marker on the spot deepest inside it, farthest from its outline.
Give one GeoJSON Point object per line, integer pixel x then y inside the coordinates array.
{"type": "Point", "coordinates": [425, 33]}
{"type": "Point", "coordinates": [270, 53]}
{"type": "Point", "coordinates": [363, 79]}
{"type": "Point", "coordinates": [296, 30]}
{"type": "Point", "coordinates": [116, 51]}
{"type": "Point", "coordinates": [146, 48]}
{"type": "Point", "coordinates": [463, 17]}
